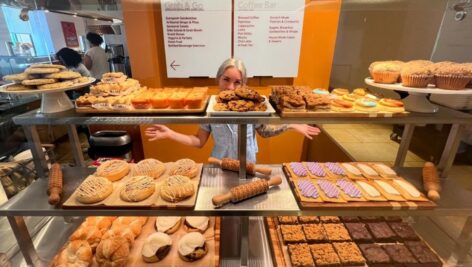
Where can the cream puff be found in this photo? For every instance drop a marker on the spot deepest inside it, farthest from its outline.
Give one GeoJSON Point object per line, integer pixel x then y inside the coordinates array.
{"type": "Point", "coordinates": [365, 105]}
{"type": "Point", "coordinates": [168, 224]}
{"type": "Point", "coordinates": [340, 105]}
{"type": "Point", "coordinates": [196, 223]}
{"type": "Point", "coordinates": [391, 105]}
{"type": "Point", "coordinates": [192, 246]}
{"type": "Point", "coordinates": [156, 247]}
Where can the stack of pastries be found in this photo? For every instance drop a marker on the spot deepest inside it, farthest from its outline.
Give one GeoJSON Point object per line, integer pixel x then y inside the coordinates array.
{"type": "Point", "coordinates": [44, 77]}
{"type": "Point", "coordinates": [240, 100]}
{"type": "Point", "coordinates": [421, 73]}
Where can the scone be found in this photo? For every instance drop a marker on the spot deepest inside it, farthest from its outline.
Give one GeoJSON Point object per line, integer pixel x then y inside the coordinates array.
{"type": "Point", "coordinates": [156, 247]}
{"type": "Point", "coordinates": [150, 167]}
{"type": "Point", "coordinates": [192, 246]}
{"type": "Point", "coordinates": [94, 189]}
{"type": "Point", "coordinates": [112, 252]}
{"type": "Point", "coordinates": [177, 188]}
{"type": "Point", "coordinates": [168, 224]}
{"type": "Point", "coordinates": [186, 167]}
{"type": "Point", "coordinates": [113, 170]}
{"type": "Point", "coordinates": [138, 188]}
{"type": "Point", "coordinates": [196, 223]}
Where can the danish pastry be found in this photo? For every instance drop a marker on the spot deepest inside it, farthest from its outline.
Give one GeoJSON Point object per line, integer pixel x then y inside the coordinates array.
{"type": "Point", "coordinates": [186, 167]}
{"type": "Point", "coordinates": [177, 188]}
{"type": "Point", "coordinates": [138, 188]}
{"type": "Point", "coordinates": [113, 169]}
{"type": "Point", "coordinates": [156, 247]}
{"type": "Point", "coordinates": [150, 167]}
{"type": "Point", "coordinates": [94, 189]}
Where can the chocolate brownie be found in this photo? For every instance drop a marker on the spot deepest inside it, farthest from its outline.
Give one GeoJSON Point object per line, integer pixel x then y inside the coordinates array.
{"type": "Point", "coordinates": [330, 219]}
{"type": "Point", "coordinates": [375, 255]}
{"type": "Point", "coordinates": [382, 232]}
{"type": "Point", "coordinates": [287, 219]}
{"type": "Point", "coordinates": [400, 255]}
{"type": "Point", "coordinates": [423, 254]}
{"type": "Point", "coordinates": [404, 231]}
{"type": "Point", "coordinates": [349, 254]}
{"type": "Point", "coordinates": [300, 255]}
{"type": "Point", "coordinates": [359, 232]}
{"type": "Point", "coordinates": [372, 218]}
{"type": "Point", "coordinates": [292, 233]}
{"type": "Point", "coordinates": [308, 219]}
{"type": "Point", "coordinates": [350, 219]}
{"type": "Point", "coordinates": [325, 255]}
{"type": "Point", "coordinates": [314, 233]}
{"type": "Point", "coordinates": [336, 232]}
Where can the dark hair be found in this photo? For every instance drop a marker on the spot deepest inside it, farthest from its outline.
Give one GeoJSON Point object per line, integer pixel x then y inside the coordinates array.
{"type": "Point", "coordinates": [94, 38]}
{"type": "Point", "coordinates": [69, 57]}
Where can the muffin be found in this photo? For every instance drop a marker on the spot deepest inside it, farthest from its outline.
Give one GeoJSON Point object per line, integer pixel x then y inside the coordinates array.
{"type": "Point", "coordinates": [386, 72]}
{"type": "Point", "coordinates": [450, 75]}
{"type": "Point", "coordinates": [372, 65]}
{"type": "Point", "coordinates": [417, 73]}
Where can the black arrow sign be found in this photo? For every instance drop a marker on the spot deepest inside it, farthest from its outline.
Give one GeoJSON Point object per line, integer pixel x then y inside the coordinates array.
{"type": "Point", "coordinates": [173, 65]}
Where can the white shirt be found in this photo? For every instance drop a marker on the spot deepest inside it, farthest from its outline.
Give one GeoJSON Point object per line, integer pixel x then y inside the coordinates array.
{"type": "Point", "coordinates": [99, 61]}
{"type": "Point", "coordinates": [81, 69]}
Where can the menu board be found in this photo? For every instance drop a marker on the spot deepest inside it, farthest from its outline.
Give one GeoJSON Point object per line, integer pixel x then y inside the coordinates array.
{"type": "Point", "coordinates": [197, 36]}
{"type": "Point", "coordinates": [267, 36]}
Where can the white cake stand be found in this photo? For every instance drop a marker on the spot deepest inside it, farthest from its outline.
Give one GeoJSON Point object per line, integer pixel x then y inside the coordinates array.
{"type": "Point", "coordinates": [52, 100]}
{"type": "Point", "coordinates": [416, 100]}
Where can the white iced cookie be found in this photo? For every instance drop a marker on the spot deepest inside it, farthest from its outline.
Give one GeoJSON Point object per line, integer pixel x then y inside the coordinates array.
{"type": "Point", "coordinates": [385, 169]}
{"type": "Point", "coordinates": [156, 247]}
{"type": "Point", "coordinates": [387, 188]}
{"type": "Point", "coordinates": [351, 169]}
{"type": "Point", "coordinates": [197, 222]}
{"type": "Point", "coordinates": [163, 224]}
{"type": "Point", "coordinates": [367, 169]}
{"type": "Point", "coordinates": [408, 188]}
{"type": "Point", "coordinates": [369, 189]}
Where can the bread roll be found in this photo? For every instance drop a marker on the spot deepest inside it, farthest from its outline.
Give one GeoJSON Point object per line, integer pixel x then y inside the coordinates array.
{"type": "Point", "coordinates": [135, 226]}
{"type": "Point", "coordinates": [76, 253]}
{"type": "Point", "coordinates": [102, 222]}
{"type": "Point", "coordinates": [91, 234]}
{"type": "Point", "coordinates": [112, 252]}
{"type": "Point", "coordinates": [124, 232]}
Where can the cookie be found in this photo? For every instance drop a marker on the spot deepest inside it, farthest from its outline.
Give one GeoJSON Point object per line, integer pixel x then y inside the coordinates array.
{"type": "Point", "coordinates": [41, 70]}
{"type": "Point", "coordinates": [228, 95]}
{"type": "Point", "coordinates": [38, 81]}
{"type": "Point", "coordinates": [240, 105]}
{"type": "Point", "coordinates": [58, 85]}
{"type": "Point", "coordinates": [16, 77]}
{"type": "Point", "coordinates": [80, 80]}
{"type": "Point", "coordinates": [18, 87]}
{"type": "Point", "coordinates": [221, 107]}
{"type": "Point", "coordinates": [47, 66]}
{"type": "Point", "coordinates": [64, 75]}
{"type": "Point", "coordinates": [247, 93]}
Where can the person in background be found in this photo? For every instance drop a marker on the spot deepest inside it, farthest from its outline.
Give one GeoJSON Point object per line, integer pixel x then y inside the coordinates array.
{"type": "Point", "coordinates": [96, 59]}
{"type": "Point", "coordinates": [230, 75]}
{"type": "Point", "coordinates": [72, 60]}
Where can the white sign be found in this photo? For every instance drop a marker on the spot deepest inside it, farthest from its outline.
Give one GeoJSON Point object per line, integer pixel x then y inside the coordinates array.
{"type": "Point", "coordinates": [267, 36]}
{"type": "Point", "coordinates": [197, 36]}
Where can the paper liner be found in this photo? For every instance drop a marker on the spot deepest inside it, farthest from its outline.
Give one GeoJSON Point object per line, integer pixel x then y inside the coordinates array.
{"type": "Point", "coordinates": [419, 81]}
{"type": "Point", "coordinates": [385, 77]}
{"type": "Point", "coordinates": [451, 82]}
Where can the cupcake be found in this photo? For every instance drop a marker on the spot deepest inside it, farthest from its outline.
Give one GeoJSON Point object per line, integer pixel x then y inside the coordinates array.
{"type": "Point", "coordinates": [386, 72]}
{"type": "Point", "coordinates": [417, 73]}
{"type": "Point", "coordinates": [468, 67]}
{"type": "Point", "coordinates": [372, 65]}
{"type": "Point", "coordinates": [452, 76]}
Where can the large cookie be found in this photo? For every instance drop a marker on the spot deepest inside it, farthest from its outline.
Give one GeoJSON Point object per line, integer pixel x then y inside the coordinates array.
{"type": "Point", "coordinates": [81, 80]}
{"type": "Point", "coordinates": [228, 95]}
{"type": "Point", "coordinates": [247, 93]}
{"type": "Point", "coordinates": [16, 77]}
{"type": "Point", "coordinates": [56, 85]}
{"type": "Point", "coordinates": [42, 70]}
{"type": "Point", "coordinates": [64, 75]}
{"type": "Point", "coordinates": [47, 66]}
{"type": "Point", "coordinates": [18, 87]}
{"type": "Point", "coordinates": [38, 81]}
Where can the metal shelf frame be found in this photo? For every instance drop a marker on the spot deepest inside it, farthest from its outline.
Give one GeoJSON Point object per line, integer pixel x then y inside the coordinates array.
{"type": "Point", "coordinates": [452, 203]}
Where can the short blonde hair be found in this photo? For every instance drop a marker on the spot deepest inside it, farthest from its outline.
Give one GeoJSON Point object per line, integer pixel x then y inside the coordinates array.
{"type": "Point", "coordinates": [232, 63]}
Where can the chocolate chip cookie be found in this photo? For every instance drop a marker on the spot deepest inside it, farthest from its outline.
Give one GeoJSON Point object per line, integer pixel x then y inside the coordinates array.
{"type": "Point", "coordinates": [228, 95]}
{"type": "Point", "coordinates": [240, 105]}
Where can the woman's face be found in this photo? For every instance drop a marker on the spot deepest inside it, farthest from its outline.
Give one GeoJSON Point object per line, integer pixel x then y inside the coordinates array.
{"type": "Point", "coordinates": [230, 80]}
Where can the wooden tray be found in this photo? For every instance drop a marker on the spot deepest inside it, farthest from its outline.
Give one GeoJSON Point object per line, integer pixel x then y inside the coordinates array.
{"type": "Point", "coordinates": [211, 259]}
{"type": "Point", "coordinates": [154, 201]}
{"type": "Point", "coordinates": [280, 254]}
{"type": "Point", "coordinates": [132, 110]}
{"type": "Point", "coordinates": [391, 205]}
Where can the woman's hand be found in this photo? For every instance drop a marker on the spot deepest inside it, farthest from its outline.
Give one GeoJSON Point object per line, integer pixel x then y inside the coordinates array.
{"type": "Point", "coordinates": [157, 132]}
{"type": "Point", "coordinates": [305, 129]}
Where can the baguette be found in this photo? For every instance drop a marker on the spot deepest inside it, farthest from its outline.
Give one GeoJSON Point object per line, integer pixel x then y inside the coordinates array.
{"type": "Point", "coordinates": [55, 184]}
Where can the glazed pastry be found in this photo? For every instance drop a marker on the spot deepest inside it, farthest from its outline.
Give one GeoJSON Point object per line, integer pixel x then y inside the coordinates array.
{"type": "Point", "coordinates": [366, 170]}
{"type": "Point", "coordinates": [370, 192]}
{"type": "Point", "coordinates": [138, 188]}
{"type": "Point", "coordinates": [186, 167]}
{"type": "Point", "coordinates": [351, 170]}
{"type": "Point", "coordinates": [156, 247]}
{"type": "Point", "coordinates": [150, 167]}
{"type": "Point", "coordinates": [388, 191]}
{"type": "Point", "coordinates": [349, 189]}
{"type": "Point", "coordinates": [94, 189]}
{"type": "Point", "coordinates": [76, 253]}
{"type": "Point", "coordinates": [384, 170]}
{"type": "Point", "coordinates": [112, 252]}
{"type": "Point", "coordinates": [391, 105]}
{"type": "Point", "coordinates": [113, 169]}
{"type": "Point", "coordinates": [408, 188]}
{"type": "Point", "coordinates": [192, 246]}
{"type": "Point", "coordinates": [315, 169]}
{"type": "Point", "coordinates": [340, 105]}
{"type": "Point", "coordinates": [298, 169]}
{"type": "Point", "coordinates": [329, 191]}
{"type": "Point", "coordinates": [177, 188]}
{"type": "Point", "coordinates": [307, 189]}
{"type": "Point", "coordinates": [196, 223]}
{"type": "Point", "coordinates": [168, 224]}
{"type": "Point", "coordinates": [365, 105]}
{"type": "Point", "coordinates": [334, 170]}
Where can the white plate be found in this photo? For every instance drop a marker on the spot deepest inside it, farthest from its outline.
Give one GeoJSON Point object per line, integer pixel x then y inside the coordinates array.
{"type": "Point", "coordinates": [3, 88]}
{"type": "Point", "coordinates": [427, 90]}
{"type": "Point", "coordinates": [211, 112]}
